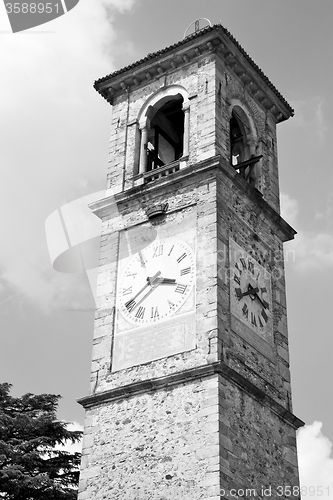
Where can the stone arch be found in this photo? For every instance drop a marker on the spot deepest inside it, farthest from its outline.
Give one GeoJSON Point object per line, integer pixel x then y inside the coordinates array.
{"type": "Point", "coordinates": [161, 95]}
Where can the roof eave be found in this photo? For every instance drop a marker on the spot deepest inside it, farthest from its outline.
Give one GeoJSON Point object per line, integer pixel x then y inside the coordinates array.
{"type": "Point", "coordinates": [208, 40]}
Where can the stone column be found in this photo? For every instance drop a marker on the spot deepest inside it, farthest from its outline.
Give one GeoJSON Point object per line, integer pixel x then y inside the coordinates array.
{"type": "Point", "coordinates": [186, 109]}
{"type": "Point", "coordinates": [143, 150]}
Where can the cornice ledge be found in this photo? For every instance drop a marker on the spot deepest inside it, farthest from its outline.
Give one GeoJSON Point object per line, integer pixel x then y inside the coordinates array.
{"type": "Point", "coordinates": [100, 208]}
{"type": "Point", "coordinates": [108, 205]}
{"type": "Point", "coordinates": [104, 206]}
{"type": "Point", "coordinates": [199, 372]}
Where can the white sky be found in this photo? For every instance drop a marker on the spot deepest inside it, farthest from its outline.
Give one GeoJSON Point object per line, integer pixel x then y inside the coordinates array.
{"type": "Point", "coordinates": [54, 144]}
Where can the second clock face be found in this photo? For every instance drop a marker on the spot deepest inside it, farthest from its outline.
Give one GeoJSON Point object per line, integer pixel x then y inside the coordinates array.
{"type": "Point", "coordinates": [156, 282]}
{"type": "Point", "coordinates": [250, 290]}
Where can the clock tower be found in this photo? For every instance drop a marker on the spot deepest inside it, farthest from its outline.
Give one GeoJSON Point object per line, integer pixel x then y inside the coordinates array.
{"type": "Point", "coordinates": [190, 384]}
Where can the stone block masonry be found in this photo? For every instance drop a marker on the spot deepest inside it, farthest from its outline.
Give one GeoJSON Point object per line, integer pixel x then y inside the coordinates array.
{"type": "Point", "coordinates": [187, 441]}
{"type": "Point", "coordinates": [155, 445]}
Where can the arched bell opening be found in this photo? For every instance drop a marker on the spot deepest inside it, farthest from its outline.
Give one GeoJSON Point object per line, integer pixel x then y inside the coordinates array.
{"type": "Point", "coordinates": [243, 145]}
{"type": "Point", "coordinates": [165, 124]}
{"type": "Point", "coordinates": [163, 134]}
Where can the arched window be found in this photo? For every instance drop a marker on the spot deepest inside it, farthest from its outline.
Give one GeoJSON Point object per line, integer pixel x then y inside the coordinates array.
{"type": "Point", "coordinates": [243, 145]}
{"type": "Point", "coordinates": [163, 134]}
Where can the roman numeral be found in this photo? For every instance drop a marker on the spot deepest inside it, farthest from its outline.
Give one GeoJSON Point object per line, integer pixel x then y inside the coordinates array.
{"type": "Point", "coordinates": [186, 270]}
{"type": "Point", "coordinates": [142, 259]}
{"type": "Point", "coordinates": [140, 312]}
{"type": "Point", "coordinates": [245, 311]}
{"type": "Point", "coordinates": [237, 279]}
{"type": "Point", "coordinates": [238, 268]}
{"type": "Point", "coordinates": [130, 305]}
{"type": "Point", "coordinates": [181, 257]}
{"type": "Point", "coordinates": [251, 267]}
{"type": "Point", "coordinates": [127, 291]}
{"type": "Point", "coordinates": [154, 313]}
{"type": "Point", "coordinates": [243, 262]}
{"type": "Point", "coordinates": [260, 322]}
{"type": "Point", "coordinates": [131, 275]}
{"type": "Point", "coordinates": [158, 251]}
{"type": "Point", "coordinates": [171, 249]}
{"type": "Point", "coordinates": [180, 288]}
{"type": "Point", "coordinates": [253, 319]}
{"type": "Point", "coordinates": [238, 293]}
{"type": "Point", "coordinates": [264, 315]}
{"type": "Point", "coordinates": [266, 304]}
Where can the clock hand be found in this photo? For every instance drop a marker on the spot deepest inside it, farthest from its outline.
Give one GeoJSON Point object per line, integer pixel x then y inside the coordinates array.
{"type": "Point", "coordinates": [253, 291]}
{"type": "Point", "coordinates": [149, 283]}
{"type": "Point", "coordinates": [154, 286]}
{"type": "Point", "coordinates": [156, 277]}
{"type": "Point", "coordinates": [262, 302]}
{"type": "Point", "coordinates": [155, 283]}
{"type": "Point", "coordinates": [162, 281]}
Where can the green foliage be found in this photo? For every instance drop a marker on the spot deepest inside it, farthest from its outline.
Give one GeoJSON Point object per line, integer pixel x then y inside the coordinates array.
{"type": "Point", "coordinates": [30, 467]}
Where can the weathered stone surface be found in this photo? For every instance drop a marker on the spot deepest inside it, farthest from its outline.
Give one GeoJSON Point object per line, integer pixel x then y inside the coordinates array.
{"type": "Point", "coordinates": [150, 445]}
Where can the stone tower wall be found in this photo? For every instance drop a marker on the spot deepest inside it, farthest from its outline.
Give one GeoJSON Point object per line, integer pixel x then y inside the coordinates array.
{"type": "Point", "coordinates": [216, 416]}
{"type": "Point", "coordinates": [194, 441]}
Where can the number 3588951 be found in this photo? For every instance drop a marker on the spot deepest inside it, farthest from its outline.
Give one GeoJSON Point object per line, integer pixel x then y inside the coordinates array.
{"type": "Point", "coordinates": [32, 8]}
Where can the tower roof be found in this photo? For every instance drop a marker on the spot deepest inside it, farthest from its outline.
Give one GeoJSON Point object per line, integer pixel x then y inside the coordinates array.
{"type": "Point", "coordinates": [214, 38]}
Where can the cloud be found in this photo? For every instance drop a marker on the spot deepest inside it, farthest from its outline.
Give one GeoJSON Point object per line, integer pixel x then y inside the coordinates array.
{"type": "Point", "coordinates": [315, 462]}
{"type": "Point", "coordinates": [289, 208]}
{"type": "Point", "coordinates": [326, 215]}
{"type": "Point", "coordinates": [121, 5]}
{"type": "Point", "coordinates": [34, 278]}
{"type": "Point", "coordinates": [309, 250]}
{"type": "Point", "coordinates": [313, 251]}
{"type": "Point", "coordinates": [310, 115]}
{"type": "Point", "coordinates": [54, 130]}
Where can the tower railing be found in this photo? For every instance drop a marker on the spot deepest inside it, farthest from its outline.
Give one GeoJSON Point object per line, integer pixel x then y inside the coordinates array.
{"type": "Point", "coordinates": [157, 173]}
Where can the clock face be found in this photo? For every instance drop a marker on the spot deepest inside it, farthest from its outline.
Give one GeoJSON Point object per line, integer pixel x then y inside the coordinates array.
{"type": "Point", "coordinates": [250, 287]}
{"type": "Point", "coordinates": [156, 282]}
